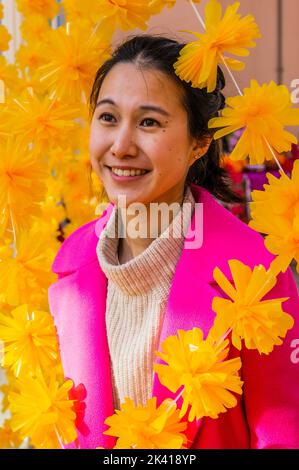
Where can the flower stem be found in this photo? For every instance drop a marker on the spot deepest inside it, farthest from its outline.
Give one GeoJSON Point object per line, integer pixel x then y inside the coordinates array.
{"type": "Point", "coordinates": [224, 336]}
{"type": "Point", "coordinates": [14, 234]}
{"type": "Point", "coordinates": [58, 438]}
{"type": "Point", "coordinates": [198, 15]}
{"type": "Point", "coordinates": [231, 75]}
{"type": "Point", "coordinates": [269, 278]}
{"type": "Point", "coordinates": [173, 402]}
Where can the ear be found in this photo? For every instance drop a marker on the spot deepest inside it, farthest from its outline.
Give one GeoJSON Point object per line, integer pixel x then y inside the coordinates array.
{"type": "Point", "coordinates": [203, 145]}
{"type": "Point", "coordinates": [200, 148]}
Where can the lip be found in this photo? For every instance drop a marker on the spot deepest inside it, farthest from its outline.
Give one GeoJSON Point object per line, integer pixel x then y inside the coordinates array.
{"type": "Point", "coordinates": [126, 178]}
{"type": "Point", "coordinates": [126, 167]}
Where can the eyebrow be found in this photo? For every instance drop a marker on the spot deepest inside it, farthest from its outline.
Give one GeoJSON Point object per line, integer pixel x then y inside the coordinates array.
{"type": "Point", "coordinates": [147, 107]}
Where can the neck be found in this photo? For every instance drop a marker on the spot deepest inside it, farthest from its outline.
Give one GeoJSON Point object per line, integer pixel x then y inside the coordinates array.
{"type": "Point", "coordinates": [140, 231]}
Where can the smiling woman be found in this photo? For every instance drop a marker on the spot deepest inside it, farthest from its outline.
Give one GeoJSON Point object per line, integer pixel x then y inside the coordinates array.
{"type": "Point", "coordinates": [119, 296]}
{"type": "Point", "coordinates": [153, 92]}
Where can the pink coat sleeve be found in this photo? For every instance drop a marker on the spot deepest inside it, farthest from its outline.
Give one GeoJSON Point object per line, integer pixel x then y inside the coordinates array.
{"type": "Point", "coordinates": [271, 388]}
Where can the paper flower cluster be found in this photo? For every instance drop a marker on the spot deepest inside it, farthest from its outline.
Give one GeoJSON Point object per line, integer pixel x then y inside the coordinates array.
{"type": "Point", "coordinates": [198, 369]}
{"type": "Point", "coordinates": [275, 213]}
{"type": "Point", "coordinates": [45, 195]}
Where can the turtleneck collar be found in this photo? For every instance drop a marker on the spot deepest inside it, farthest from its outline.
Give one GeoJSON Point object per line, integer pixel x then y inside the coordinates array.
{"type": "Point", "coordinates": [155, 266]}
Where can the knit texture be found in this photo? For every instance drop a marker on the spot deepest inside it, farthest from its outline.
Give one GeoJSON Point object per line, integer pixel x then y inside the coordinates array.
{"type": "Point", "coordinates": [137, 294]}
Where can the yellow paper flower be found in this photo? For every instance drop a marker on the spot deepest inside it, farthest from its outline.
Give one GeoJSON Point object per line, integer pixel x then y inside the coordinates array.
{"type": "Point", "coordinates": [29, 81]}
{"type": "Point", "coordinates": [39, 121]}
{"type": "Point", "coordinates": [261, 323]}
{"type": "Point", "coordinates": [47, 8]}
{"type": "Point", "coordinates": [35, 29]}
{"type": "Point", "coordinates": [22, 185]}
{"type": "Point", "coordinates": [8, 74]}
{"type": "Point", "coordinates": [124, 14]}
{"type": "Point", "coordinates": [198, 60]}
{"type": "Point", "coordinates": [80, 205]}
{"type": "Point", "coordinates": [8, 438]}
{"type": "Point", "coordinates": [262, 111]}
{"type": "Point", "coordinates": [5, 37]}
{"type": "Point", "coordinates": [200, 366]}
{"type": "Point", "coordinates": [43, 411]}
{"type": "Point", "coordinates": [142, 427]}
{"type": "Point", "coordinates": [275, 213]}
{"type": "Point", "coordinates": [53, 214]}
{"type": "Point", "coordinates": [1, 11]}
{"type": "Point", "coordinates": [31, 56]}
{"type": "Point", "coordinates": [83, 12]}
{"type": "Point", "coordinates": [26, 277]}
{"type": "Point", "coordinates": [72, 61]}
{"type": "Point", "coordinates": [158, 5]}
{"type": "Point", "coordinates": [29, 339]}
{"type": "Point", "coordinates": [5, 389]}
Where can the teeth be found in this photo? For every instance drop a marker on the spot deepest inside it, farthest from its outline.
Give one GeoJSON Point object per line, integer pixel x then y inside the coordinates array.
{"type": "Point", "coordinates": [120, 172]}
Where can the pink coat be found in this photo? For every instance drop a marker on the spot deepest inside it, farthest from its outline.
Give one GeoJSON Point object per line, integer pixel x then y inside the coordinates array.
{"type": "Point", "coordinates": [267, 414]}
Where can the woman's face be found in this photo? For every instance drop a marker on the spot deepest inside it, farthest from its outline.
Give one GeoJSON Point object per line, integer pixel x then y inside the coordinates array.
{"type": "Point", "coordinates": [125, 134]}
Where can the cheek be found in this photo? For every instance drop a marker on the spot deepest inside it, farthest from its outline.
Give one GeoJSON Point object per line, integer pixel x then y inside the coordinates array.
{"type": "Point", "coordinates": [171, 161]}
{"type": "Point", "coordinates": [96, 144]}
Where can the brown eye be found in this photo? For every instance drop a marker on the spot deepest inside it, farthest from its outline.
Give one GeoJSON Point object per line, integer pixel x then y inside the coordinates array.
{"type": "Point", "coordinates": [151, 120]}
{"type": "Point", "coordinates": [105, 114]}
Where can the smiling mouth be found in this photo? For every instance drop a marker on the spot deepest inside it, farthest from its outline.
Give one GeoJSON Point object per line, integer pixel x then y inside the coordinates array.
{"type": "Point", "coordinates": [127, 172]}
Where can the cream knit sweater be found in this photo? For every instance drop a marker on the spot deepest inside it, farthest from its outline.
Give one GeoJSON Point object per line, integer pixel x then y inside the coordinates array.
{"type": "Point", "coordinates": [136, 298]}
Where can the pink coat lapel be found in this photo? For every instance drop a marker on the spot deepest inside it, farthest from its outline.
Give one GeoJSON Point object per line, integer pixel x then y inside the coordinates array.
{"type": "Point", "coordinates": [78, 303]}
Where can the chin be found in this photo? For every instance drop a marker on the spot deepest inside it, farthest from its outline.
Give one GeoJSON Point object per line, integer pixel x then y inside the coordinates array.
{"type": "Point", "coordinates": [129, 197]}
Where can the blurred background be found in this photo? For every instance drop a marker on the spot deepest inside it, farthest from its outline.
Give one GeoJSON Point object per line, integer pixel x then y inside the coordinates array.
{"type": "Point", "coordinates": [275, 56]}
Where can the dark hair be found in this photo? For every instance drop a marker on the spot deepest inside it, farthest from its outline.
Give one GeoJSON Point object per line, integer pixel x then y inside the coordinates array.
{"type": "Point", "coordinates": [160, 53]}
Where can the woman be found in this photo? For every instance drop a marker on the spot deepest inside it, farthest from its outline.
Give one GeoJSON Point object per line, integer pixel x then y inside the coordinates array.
{"type": "Point", "coordinates": [119, 295]}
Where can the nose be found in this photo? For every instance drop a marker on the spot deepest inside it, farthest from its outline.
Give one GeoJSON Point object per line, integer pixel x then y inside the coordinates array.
{"type": "Point", "coordinates": [124, 142]}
